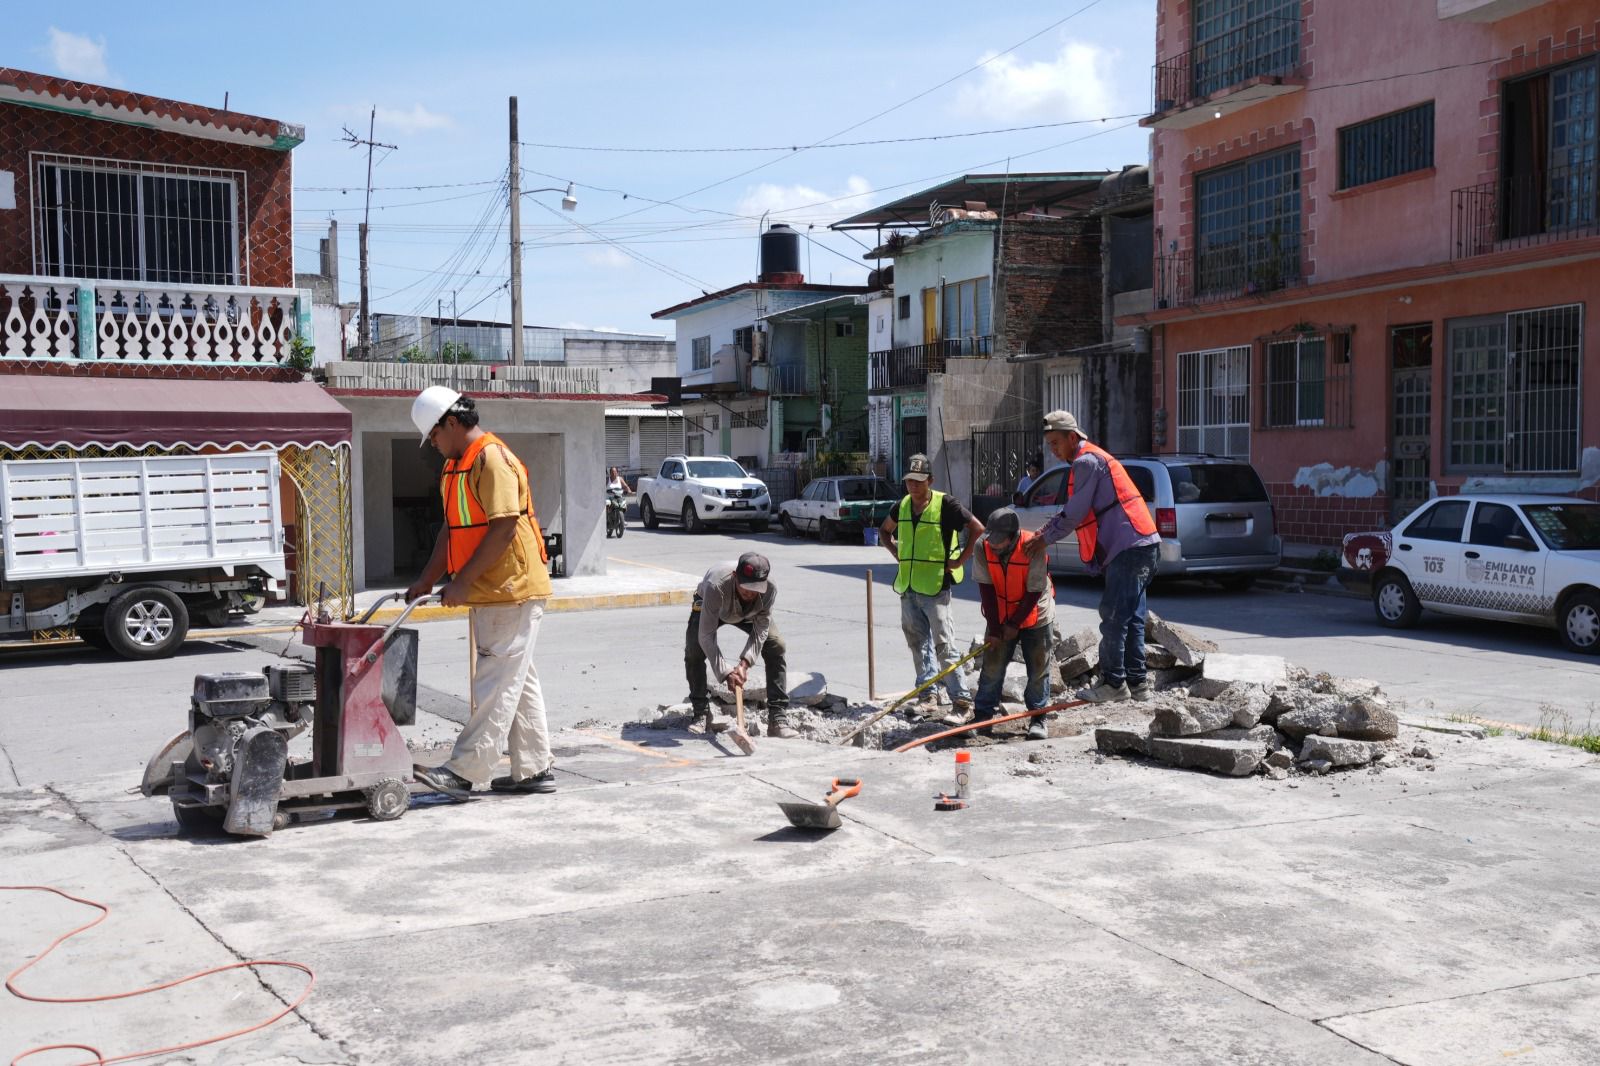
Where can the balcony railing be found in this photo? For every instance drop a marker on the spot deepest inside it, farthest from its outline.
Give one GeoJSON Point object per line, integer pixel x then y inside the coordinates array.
{"type": "Point", "coordinates": [794, 379]}
{"type": "Point", "coordinates": [77, 320]}
{"type": "Point", "coordinates": [1262, 47]}
{"type": "Point", "coordinates": [465, 377]}
{"type": "Point", "coordinates": [1557, 205]}
{"type": "Point", "coordinates": [1224, 271]}
{"type": "Point", "coordinates": [909, 367]}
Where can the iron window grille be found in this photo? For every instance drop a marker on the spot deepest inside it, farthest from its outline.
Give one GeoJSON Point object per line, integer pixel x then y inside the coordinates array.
{"type": "Point", "coordinates": [1515, 392]}
{"type": "Point", "coordinates": [1214, 401]}
{"type": "Point", "coordinates": [700, 353]}
{"type": "Point", "coordinates": [1386, 147]}
{"type": "Point", "coordinates": [139, 222]}
{"type": "Point", "coordinates": [1248, 221]}
{"type": "Point", "coordinates": [1305, 381]}
{"type": "Point", "coordinates": [844, 329]}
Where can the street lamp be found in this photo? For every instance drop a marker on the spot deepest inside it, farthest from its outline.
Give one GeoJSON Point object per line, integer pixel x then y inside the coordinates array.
{"type": "Point", "coordinates": [569, 199]}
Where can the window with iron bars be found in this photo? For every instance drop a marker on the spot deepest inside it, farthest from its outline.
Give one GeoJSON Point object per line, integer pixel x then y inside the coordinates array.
{"type": "Point", "coordinates": [1248, 221]}
{"type": "Point", "coordinates": [141, 222]}
{"type": "Point", "coordinates": [1305, 381]}
{"type": "Point", "coordinates": [756, 418]}
{"type": "Point", "coordinates": [1214, 401]}
{"type": "Point", "coordinates": [700, 353]}
{"type": "Point", "coordinates": [1386, 147]}
{"type": "Point", "coordinates": [1514, 404]}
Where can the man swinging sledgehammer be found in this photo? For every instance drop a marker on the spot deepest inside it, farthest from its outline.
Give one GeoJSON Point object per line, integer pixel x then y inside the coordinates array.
{"type": "Point", "coordinates": [740, 595]}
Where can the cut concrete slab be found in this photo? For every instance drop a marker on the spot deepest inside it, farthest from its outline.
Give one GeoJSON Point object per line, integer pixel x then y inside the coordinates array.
{"type": "Point", "coordinates": [1232, 758]}
{"type": "Point", "coordinates": [1190, 718]}
{"type": "Point", "coordinates": [1188, 649]}
{"type": "Point", "coordinates": [1361, 718]}
{"type": "Point", "coordinates": [1338, 751]}
{"type": "Point", "coordinates": [1268, 670]}
{"type": "Point", "coordinates": [1444, 725]}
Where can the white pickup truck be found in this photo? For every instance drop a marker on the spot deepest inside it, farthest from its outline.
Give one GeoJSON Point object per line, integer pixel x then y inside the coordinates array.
{"type": "Point", "coordinates": [127, 550]}
{"type": "Point", "coordinates": [703, 490]}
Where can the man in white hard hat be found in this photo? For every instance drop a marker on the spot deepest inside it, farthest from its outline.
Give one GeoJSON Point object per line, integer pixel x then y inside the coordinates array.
{"type": "Point", "coordinates": [492, 549]}
{"type": "Point", "coordinates": [1116, 536]}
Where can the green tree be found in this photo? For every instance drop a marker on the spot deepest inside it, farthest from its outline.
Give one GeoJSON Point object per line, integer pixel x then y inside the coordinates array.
{"type": "Point", "coordinates": [450, 352]}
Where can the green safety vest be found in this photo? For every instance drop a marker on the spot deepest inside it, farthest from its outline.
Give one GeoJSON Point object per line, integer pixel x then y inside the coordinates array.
{"type": "Point", "coordinates": [924, 553]}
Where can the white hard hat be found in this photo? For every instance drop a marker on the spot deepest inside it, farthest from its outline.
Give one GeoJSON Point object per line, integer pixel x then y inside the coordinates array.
{"type": "Point", "coordinates": [431, 405]}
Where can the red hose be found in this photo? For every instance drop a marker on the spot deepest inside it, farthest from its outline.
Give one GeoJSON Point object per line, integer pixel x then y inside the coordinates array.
{"type": "Point", "coordinates": [99, 1056]}
{"type": "Point", "coordinates": [986, 722]}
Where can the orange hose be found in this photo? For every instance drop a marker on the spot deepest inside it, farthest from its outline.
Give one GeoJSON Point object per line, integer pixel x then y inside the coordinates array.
{"type": "Point", "coordinates": [984, 723]}
{"type": "Point", "coordinates": [99, 1056]}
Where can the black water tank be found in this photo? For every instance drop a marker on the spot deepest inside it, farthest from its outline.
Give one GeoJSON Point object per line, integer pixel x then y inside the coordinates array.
{"type": "Point", "coordinates": [780, 250]}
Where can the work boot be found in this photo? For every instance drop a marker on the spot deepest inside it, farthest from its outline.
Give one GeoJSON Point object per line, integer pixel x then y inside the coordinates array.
{"type": "Point", "coordinates": [960, 714]}
{"type": "Point", "coordinates": [700, 716]}
{"type": "Point", "coordinates": [1106, 693]}
{"type": "Point", "coordinates": [444, 780]}
{"type": "Point", "coordinates": [988, 730]}
{"type": "Point", "coordinates": [778, 726]}
{"type": "Point", "coordinates": [1141, 690]}
{"type": "Point", "coordinates": [541, 783]}
{"type": "Point", "coordinates": [1037, 728]}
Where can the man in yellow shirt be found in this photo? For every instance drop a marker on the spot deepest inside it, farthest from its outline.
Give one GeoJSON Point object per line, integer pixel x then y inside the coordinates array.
{"type": "Point", "coordinates": [493, 550]}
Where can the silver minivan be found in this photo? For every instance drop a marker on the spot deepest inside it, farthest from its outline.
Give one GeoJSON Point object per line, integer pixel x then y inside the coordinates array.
{"type": "Point", "coordinates": [1212, 512]}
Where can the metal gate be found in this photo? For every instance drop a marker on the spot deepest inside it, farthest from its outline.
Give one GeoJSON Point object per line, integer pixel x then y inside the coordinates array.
{"type": "Point", "coordinates": [999, 459]}
{"type": "Point", "coordinates": [1411, 374]}
{"type": "Point", "coordinates": [1544, 362]}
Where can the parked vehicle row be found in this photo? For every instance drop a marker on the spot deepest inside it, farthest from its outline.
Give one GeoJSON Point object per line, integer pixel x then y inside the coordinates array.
{"type": "Point", "coordinates": [838, 507]}
{"type": "Point", "coordinates": [700, 491]}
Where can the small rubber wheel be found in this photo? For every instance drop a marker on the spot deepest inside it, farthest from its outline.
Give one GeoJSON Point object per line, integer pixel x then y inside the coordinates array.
{"type": "Point", "coordinates": [387, 800]}
{"type": "Point", "coordinates": [691, 518]}
{"type": "Point", "coordinates": [146, 623]}
{"type": "Point", "coordinates": [281, 820]}
{"type": "Point", "coordinates": [1580, 623]}
{"type": "Point", "coordinates": [647, 514]}
{"type": "Point", "coordinates": [1394, 602]}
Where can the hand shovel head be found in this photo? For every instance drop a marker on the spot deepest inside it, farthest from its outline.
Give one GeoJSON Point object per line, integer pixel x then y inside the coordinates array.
{"type": "Point", "coordinates": [812, 815]}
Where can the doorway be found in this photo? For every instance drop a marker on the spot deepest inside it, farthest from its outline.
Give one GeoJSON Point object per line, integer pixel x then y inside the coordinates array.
{"type": "Point", "coordinates": [1411, 423]}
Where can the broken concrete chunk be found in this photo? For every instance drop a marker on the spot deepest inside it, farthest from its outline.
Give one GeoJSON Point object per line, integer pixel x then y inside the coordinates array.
{"type": "Point", "coordinates": [1264, 735]}
{"type": "Point", "coordinates": [1445, 725]}
{"type": "Point", "coordinates": [1085, 641]}
{"type": "Point", "coordinates": [1190, 719]}
{"type": "Point", "coordinates": [1120, 741]}
{"type": "Point", "coordinates": [811, 692]}
{"type": "Point", "coordinates": [1338, 752]}
{"type": "Point", "coordinates": [1266, 670]}
{"type": "Point", "coordinates": [1158, 658]}
{"type": "Point", "coordinates": [1363, 718]}
{"type": "Point", "coordinates": [1247, 702]}
{"type": "Point", "coordinates": [1233, 758]}
{"type": "Point", "coordinates": [1421, 751]}
{"type": "Point", "coordinates": [1317, 766]}
{"type": "Point", "coordinates": [1208, 688]}
{"type": "Point", "coordinates": [1281, 758]}
{"type": "Point", "coordinates": [1275, 773]}
{"type": "Point", "coordinates": [1187, 648]}
{"type": "Point", "coordinates": [1176, 675]}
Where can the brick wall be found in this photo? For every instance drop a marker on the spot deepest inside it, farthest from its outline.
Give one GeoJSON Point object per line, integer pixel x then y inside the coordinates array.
{"type": "Point", "coordinates": [265, 195]}
{"type": "Point", "coordinates": [1307, 518]}
{"type": "Point", "coordinates": [1049, 294]}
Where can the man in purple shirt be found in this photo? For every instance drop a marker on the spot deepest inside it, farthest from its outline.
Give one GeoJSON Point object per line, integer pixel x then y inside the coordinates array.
{"type": "Point", "coordinates": [1116, 536]}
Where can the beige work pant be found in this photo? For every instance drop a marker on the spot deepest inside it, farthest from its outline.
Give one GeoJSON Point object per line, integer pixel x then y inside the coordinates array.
{"type": "Point", "coordinates": [508, 705]}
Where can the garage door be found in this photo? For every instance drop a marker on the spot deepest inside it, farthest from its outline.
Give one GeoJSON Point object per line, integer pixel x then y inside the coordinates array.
{"type": "Point", "coordinates": [659, 438]}
{"type": "Point", "coordinates": [617, 441]}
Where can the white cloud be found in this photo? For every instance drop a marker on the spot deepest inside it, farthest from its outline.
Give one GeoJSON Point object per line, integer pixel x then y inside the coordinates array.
{"type": "Point", "coordinates": [1075, 84]}
{"type": "Point", "coordinates": [790, 203]}
{"type": "Point", "coordinates": [415, 119]}
{"type": "Point", "coordinates": [78, 57]}
{"type": "Point", "coordinates": [609, 258]}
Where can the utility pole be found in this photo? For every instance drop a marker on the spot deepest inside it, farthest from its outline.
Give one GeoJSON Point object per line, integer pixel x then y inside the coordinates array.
{"type": "Point", "coordinates": [351, 139]}
{"type": "Point", "coordinates": [514, 188]}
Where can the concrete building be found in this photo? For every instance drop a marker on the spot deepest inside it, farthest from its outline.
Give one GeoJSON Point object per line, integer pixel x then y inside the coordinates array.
{"type": "Point", "coordinates": [148, 301]}
{"type": "Point", "coordinates": [733, 353]}
{"type": "Point", "coordinates": [1374, 264]}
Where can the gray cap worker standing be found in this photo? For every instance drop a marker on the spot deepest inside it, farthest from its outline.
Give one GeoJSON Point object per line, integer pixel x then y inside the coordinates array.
{"type": "Point", "coordinates": [1117, 536]}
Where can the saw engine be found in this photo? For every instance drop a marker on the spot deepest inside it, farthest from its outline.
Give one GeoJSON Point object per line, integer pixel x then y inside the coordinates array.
{"type": "Point", "coordinates": [240, 726]}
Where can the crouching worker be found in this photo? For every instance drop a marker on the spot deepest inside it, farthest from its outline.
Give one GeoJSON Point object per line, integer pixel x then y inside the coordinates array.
{"type": "Point", "coordinates": [1019, 607]}
{"type": "Point", "coordinates": [742, 596]}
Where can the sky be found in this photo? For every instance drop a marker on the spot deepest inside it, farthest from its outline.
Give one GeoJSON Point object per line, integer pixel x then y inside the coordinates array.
{"type": "Point", "coordinates": [636, 75]}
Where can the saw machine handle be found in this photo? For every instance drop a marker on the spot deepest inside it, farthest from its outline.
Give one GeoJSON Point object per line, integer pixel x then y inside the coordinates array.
{"type": "Point", "coordinates": [843, 789]}
{"type": "Point", "coordinates": [379, 602]}
{"type": "Point", "coordinates": [388, 634]}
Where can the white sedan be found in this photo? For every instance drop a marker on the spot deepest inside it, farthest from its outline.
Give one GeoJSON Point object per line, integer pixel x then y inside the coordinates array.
{"type": "Point", "coordinates": [1532, 559]}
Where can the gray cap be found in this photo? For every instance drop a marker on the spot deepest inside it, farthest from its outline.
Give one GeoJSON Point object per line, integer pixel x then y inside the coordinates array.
{"type": "Point", "coordinates": [918, 468]}
{"type": "Point", "coordinates": [1063, 422]}
{"type": "Point", "coordinates": [1004, 522]}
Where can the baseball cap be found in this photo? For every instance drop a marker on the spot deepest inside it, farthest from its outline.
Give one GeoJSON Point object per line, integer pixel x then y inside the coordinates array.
{"type": "Point", "coordinates": [1004, 523]}
{"type": "Point", "coordinates": [752, 571]}
{"type": "Point", "coordinates": [1063, 422]}
{"type": "Point", "coordinates": [918, 468]}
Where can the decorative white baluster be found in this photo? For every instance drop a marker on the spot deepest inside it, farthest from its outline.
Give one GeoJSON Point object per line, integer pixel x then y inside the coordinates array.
{"type": "Point", "coordinates": [225, 330]}
{"type": "Point", "coordinates": [65, 325]}
{"type": "Point", "coordinates": [201, 331]}
{"type": "Point", "coordinates": [39, 325]}
{"type": "Point", "coordinates": [155, 330]}
{"type": "Point", "coordinates": [178, 329]}
{"type": "Point", "coordinates": [248, 352]}
{"type": "Point", "coordinates": [133, 329]}
{"type": "Point", "coordinates": [14, 330]}
{"type": "Point", "coordinates": [110, 329]}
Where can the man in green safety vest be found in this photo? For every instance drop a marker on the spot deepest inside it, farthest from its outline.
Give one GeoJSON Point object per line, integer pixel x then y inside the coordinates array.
{"type": "Point", "coordinates": [931, 557]}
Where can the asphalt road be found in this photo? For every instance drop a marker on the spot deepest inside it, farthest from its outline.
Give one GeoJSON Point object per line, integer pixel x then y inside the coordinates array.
{"type": "Point", "coordinates": [70, 713]}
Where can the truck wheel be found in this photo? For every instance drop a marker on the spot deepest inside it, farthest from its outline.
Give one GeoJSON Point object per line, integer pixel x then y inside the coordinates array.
{"type": "Point", "coordinates": [146, 623]}
{"type": "Point", "coordinates": [827, 531]}
{"type": "Point", "coordinates": [1396, 605]}
{"type": "Point", "coordinates": [647, 514]}
{"type": "Point", "coordinates": [1580, 623]}
{"type": "Point", "coordinates": [691, 518]}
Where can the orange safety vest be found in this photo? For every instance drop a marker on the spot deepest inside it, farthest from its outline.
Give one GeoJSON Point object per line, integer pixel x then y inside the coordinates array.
{"type": "Point", "coordinates": [1127, 497]}
{"type": "Point", "coordinates": [1010, 579]}
{"type": "Point", "coordinates": [464, 515]}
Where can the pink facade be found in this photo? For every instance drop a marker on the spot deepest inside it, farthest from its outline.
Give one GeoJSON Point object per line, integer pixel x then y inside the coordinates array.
{"type": "Point", "coordinates": [1485, 257]}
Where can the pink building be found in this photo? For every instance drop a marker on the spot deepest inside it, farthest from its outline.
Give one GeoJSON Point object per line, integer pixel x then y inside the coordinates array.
{"type": "Point", "coordinates": [1377, 229]}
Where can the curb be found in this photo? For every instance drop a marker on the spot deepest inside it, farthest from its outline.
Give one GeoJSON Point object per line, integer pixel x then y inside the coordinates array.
{"type": "Point", "coordinates": [606, 602]}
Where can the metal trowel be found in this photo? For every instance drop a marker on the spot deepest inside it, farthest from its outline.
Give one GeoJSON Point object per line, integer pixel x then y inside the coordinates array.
{"type": "Point", "coordinates": [824, 815]}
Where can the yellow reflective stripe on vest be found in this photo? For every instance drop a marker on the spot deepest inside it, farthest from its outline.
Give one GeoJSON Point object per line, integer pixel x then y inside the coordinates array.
{"type": "Point", "coordinates": [924, 554]}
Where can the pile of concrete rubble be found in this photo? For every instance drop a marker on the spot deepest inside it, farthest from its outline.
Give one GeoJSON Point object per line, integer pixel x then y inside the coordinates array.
{"type": "Point", "coordinates": [1229, 714]}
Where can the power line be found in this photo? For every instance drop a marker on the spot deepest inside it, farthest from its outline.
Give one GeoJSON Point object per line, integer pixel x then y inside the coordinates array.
{"type": "Point", "coordinates": [406, 203]}
{"type": "Point", "coordinates": [834, 144]}
{"type": "Point", "coordinates": [671, 272]}
{"type": "Point", "coordinates": [393, 188]}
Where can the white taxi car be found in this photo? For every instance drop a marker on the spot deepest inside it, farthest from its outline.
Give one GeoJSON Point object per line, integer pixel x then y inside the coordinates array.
{"type": "Point", "coordinates": [1533, 559]}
